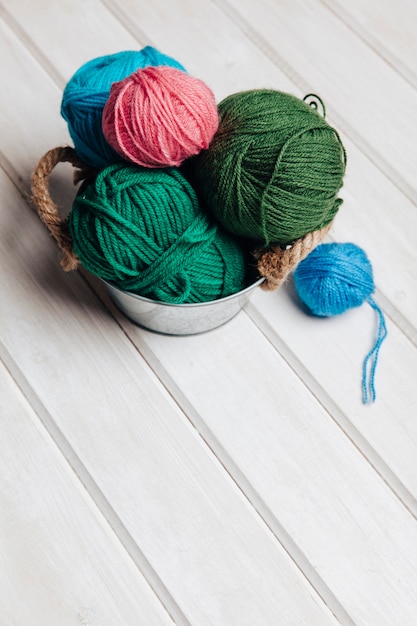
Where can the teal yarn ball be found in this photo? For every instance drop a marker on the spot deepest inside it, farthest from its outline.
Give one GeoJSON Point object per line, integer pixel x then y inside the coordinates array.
{"type": "Point", "coordinates": [333, 278]}
{"type": "Point", "coordinates": [86, 94]}
{"type": "Point", "coordinates": [142, 230]}
{"type": "Point", "coordinates": [273, 170]}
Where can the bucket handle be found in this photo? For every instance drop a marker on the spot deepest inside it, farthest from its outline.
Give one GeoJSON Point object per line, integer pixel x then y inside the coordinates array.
{"type": "Point", "coordinates": [275, 263]}
{"type": "Point", "coordinates": [47, 208]}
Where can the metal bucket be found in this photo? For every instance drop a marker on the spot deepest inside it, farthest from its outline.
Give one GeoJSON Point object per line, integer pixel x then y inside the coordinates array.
{"type": "Point", "coordinates": [180, 319]}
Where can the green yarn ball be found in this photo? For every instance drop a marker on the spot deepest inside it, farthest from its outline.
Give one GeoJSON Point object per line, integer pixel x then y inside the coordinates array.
{"type": "Point", "coordinates": [143, 231]}
{"type": "Point", "coordinates": [273, 170]}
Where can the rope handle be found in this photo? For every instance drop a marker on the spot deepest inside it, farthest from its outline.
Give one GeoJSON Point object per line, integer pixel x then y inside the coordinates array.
{"type": "Point", "coordinates": [46, 207]}
{"type": "Point", "coordinates": [273, 263]}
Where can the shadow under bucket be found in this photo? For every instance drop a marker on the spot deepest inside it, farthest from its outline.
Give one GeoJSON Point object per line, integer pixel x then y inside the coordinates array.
{"type": "Point", "coordinates": [180, 319]}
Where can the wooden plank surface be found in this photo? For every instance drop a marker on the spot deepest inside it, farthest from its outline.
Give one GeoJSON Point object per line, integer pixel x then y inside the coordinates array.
{"type": "Point", "coordinates": [390, 33]}
{"type": "Point", "coordinates": [238, 469]}
{"type": "Point", "coordinates": [145, 464]}
{"type": "Point", "coordinates": [367, 192]}
{"type": "Point", "coordinates": [61, 561]}
{"type": "Point", "coordinates": [299, 466]}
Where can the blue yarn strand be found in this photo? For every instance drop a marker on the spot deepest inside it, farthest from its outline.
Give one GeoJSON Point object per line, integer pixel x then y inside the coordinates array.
{"type": "Point", "coordinates": [371, 359]}
{"type": "Point", "coordinates": [336, 277]}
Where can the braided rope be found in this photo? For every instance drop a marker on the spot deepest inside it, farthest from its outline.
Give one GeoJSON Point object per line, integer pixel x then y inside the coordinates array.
{"type": "Point", "coordinates": [276, 263]}
{"type": "Point", "coordinates": [46, 207]}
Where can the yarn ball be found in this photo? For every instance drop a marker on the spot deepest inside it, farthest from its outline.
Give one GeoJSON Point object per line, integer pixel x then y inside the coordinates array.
{"type": "Point", "coordinates": [87, 92]}
{"type": "Point", "coordinates": [333, 278]}
{"type": "Point", "coordinates": [159, 116]}
{"type": "Point", "coordinates": [143, 230]}
{"type": "Point", "coordinates": [274, 168]}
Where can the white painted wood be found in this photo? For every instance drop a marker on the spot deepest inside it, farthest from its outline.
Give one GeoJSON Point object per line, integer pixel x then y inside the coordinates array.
{"type": "Point", "coordinates": [299, 467]}
{"type": "Point", "coordinates": [368, 195]}
{"type": "Point", "coordinates": [148, 466]}
{"type": "Point", "coordinates": [72, 30]}
{"type": "Point", "coordinates": [200, 35]}
{"type": "Point", "coordinates": [332, 351]}
{"type": "Point", "coordinates": [60, 561]}
{"type": "Point", "coordinates": [396, 270]}
{"type": "Point", "coordinates": [344, 528]}
{"type": "Point", "coordinates": [389, 30]}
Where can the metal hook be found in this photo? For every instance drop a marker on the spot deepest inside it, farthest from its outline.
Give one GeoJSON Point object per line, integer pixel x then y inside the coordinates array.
{"type": "Point", "coordinates": [316, 103]}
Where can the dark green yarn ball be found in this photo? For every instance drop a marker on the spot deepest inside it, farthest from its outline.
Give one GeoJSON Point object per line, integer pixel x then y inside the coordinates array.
{"type": "Point", "coordinates": [273, 170]}
{"type": "Point", "coordinates": [143, 231]}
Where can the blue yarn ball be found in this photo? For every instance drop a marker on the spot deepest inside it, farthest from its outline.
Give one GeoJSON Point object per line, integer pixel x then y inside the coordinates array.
{"type": "Point", "coordinates": [87, 92]}
{"type": "Point", "coordinates": [333, 278]}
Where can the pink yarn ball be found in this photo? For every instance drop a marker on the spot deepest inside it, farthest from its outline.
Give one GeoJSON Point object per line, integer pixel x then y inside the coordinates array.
{"type": "Point", "coordinates": [159, 116]}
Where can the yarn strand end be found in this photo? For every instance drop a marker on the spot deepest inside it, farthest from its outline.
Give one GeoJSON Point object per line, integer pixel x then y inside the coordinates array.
{"type": "Point", "coordinates": [371, 359]}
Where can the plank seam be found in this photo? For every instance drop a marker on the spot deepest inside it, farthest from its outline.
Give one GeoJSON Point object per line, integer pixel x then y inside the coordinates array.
{"type": "Point", "coordinates": [362, 445]}
{"type": "Point", "coordinates": [34, 50]}
{"type": "Point", "coordinates": [95, 494]}
{"type": "Point", "coordinates": [244, 486]}
{"type": "Point", "coordinates": [121, 16]}
{"type": "Point", "coordinates": [372, 42]}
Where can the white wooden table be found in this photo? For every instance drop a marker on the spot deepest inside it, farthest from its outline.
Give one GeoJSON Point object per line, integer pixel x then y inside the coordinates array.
{"type": "Point", "coordinates": [233, 478]}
